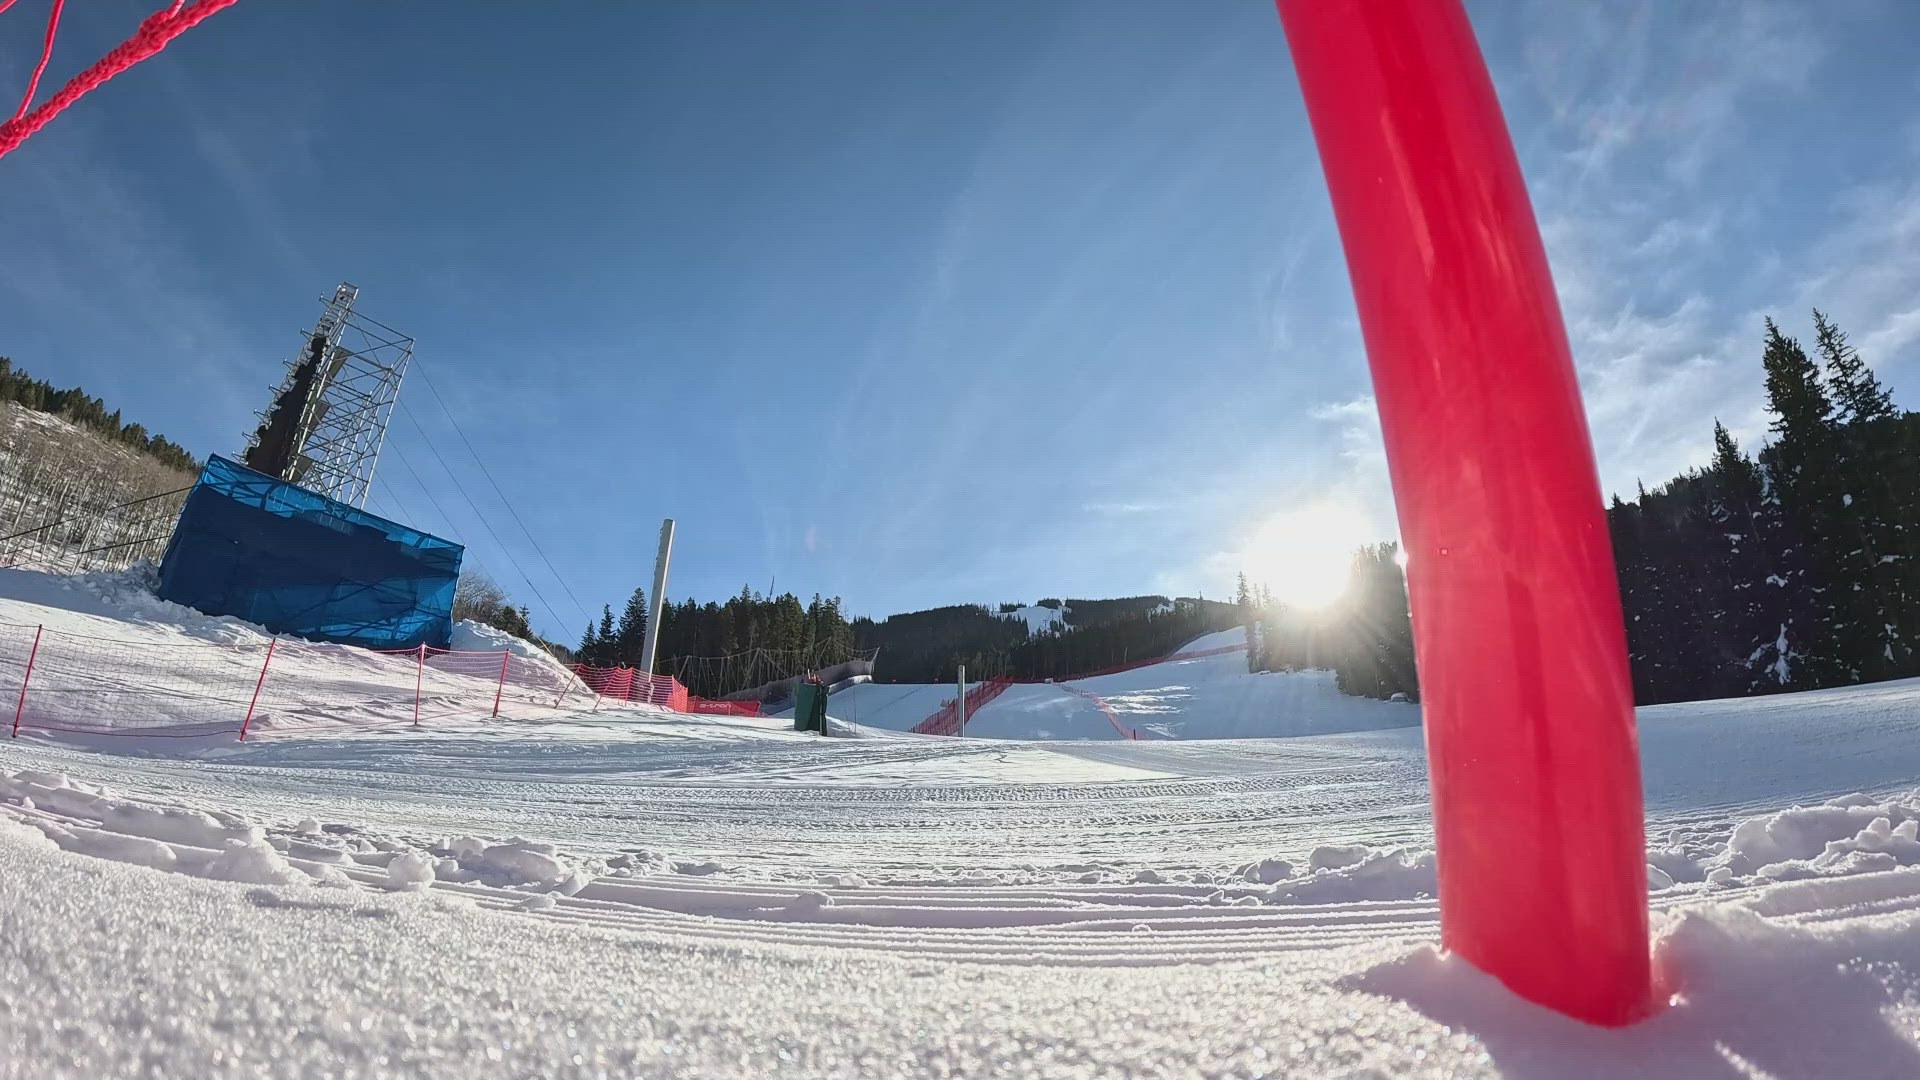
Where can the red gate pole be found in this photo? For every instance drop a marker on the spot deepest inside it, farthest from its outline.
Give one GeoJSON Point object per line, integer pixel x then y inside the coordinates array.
{"type": "Point", "coordinates": [25, 679]}
{"type": "Point", "coordinates": [1516, 611]}
{"type": "Point", "coordinates": [502, 688]}
{"type": "Point", "coordinates": [419, 668]}
{"type": "Point", "coordinates": [248, 722]}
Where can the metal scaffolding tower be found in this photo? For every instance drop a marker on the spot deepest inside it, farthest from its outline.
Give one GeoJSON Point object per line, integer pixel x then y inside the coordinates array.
{"type": "Point", "coordinates": [329, 416]}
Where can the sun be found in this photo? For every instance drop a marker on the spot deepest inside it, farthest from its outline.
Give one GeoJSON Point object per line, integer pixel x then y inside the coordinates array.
{"type": "Point", "coordinates": [1304, 554]}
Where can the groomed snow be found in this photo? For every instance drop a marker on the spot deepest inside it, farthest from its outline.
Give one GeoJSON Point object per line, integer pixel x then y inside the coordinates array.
{"type": "Point", "coordinates": [632, 892]}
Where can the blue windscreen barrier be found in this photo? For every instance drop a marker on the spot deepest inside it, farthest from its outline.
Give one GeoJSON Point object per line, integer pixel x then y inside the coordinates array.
{"type": "Point", "coordinates": [298, 563]}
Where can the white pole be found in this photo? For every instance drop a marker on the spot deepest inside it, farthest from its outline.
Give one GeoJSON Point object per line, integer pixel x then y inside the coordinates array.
{"type": "Point", "coordinates": [960, 703]}
{"type": "Point", "coordinates": [658, 600]}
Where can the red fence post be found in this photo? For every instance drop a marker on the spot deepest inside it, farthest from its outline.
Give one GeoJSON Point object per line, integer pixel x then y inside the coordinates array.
{"type": "Point", "coordinates": [419, 669]}
{"type": "Point", "coordinates": [21, 706]}
{"type": "Point", "coordinates": [248, 722]}
{"type": "Point", "coordinates": [504, 657]}
{"type": "Point", "coordinates": [1516, 609]}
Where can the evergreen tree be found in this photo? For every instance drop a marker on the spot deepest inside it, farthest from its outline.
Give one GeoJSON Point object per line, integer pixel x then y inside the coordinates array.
{"type": "Point", "coordinates": [1741, 614]}
{"type": "Point", "coordinates": [1857, 393]}
{"type": "Point", "coordinates": [631, 635]}
{"type": "Point", "coordinates": [1373, 652]}
{"type": "Point", "coordinates": [606, 641]}
{"type": "Point", "coordinates": [1803, 509]}
{"type": "Point", "coordinates": [1873, 585]}
{"type": "Point", "coordinates": [1243, 600]}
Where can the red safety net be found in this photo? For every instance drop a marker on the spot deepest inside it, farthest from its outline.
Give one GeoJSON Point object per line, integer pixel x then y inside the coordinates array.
{"type": "Point", "coordinates": [946, 721]}
{"type": "Point", "coordinates": [632, 685]}
{"type": "Point", "coordinates": [57, 680]}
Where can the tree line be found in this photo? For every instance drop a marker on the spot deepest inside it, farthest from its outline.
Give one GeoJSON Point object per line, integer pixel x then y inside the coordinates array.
{"type": "Point", "coordinates": [1366, 640]}
{"type": "Point", "coordinates": [716, 648]}
{"type": "Point", "coordinates": [77, 407]}
{"type": "Point", "coordinates": [1794, 568]}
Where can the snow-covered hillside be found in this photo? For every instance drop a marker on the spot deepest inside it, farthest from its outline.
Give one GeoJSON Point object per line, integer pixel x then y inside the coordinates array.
{"type": "Point", "coordinates": [1039, 618]}
{"type": "Point", "coordinates": [1209, 697]}
{"type": "Point", "coordinates": [633, 892]}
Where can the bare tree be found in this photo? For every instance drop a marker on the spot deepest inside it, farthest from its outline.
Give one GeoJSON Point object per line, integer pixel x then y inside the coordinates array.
{"type": "Point", "coordinates": [479, 598]}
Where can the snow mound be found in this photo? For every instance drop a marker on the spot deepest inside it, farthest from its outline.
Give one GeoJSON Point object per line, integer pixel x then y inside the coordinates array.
{"type": "Point", "coordinates": [470, 636]}
{"type": "Point", "coordinates": [1393, 874]}
{"type": "Point", "coordinates": [1850, 834]}
{"type": "Point", "coordinates": [410, 871]}
{"type": "Point", "coordinates": [254, 862]}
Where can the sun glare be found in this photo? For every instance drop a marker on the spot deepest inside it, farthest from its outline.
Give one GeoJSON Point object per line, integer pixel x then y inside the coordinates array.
{"type": "Point", "coordinates": [1303, 555]}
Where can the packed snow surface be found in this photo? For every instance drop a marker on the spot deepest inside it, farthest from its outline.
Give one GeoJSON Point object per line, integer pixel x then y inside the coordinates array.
{"type": "Point", "coordinates": [633, 892]}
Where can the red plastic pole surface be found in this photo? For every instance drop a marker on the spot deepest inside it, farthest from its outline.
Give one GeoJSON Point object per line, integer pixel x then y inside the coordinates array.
{"type": "Point", "coordinates": [502, 688]}
{"type": "Point", "coordinates": [251, 705]}
{"type": "Point", "coordinates": [1516, 613]}
{"type": "Point", "coordinates": [419, 668]}
{"type": "Point", "coordinates": [21, 706]}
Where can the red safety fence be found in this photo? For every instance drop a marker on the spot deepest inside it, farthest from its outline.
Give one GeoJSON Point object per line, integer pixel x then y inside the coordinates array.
{"type": "Point", "coordinates": [631, 684]}
{"type": "Point", "coordinates": [59, 680]}
{"type": "Point", "coordinates": [947, 720]}
{"type": "Point", "coordinates": [722, 708]}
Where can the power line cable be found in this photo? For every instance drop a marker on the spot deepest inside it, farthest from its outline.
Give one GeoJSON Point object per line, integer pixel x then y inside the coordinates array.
{"type": "Point", "coordinates": [504, 550]}
{"type": "Point", "coordinates": [445, 518]}
{"type": "Point", "coordinates": [504, 501]}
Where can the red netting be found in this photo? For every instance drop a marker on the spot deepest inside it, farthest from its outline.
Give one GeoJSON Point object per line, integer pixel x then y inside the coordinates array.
{"type": "Point", "coordinates": [154, 34]}
{"type": "Point", "coordinates": [58, 680]}
{"type": "Point", "coordinates": [628, 684]}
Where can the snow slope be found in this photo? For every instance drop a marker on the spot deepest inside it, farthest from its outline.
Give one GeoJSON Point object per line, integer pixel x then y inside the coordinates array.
{"type": "Point", "coordinates": [1210, 697]}
{"type": "Point", "coordinates": [1039, 619]}
{"type": "Point", "coordinates": [637, 893]}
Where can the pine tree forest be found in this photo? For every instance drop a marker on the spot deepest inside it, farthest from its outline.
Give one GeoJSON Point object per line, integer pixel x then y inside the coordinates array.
{"type": "Point", "coordinates": [80, 408]}
{"type": "Point", "coordinates": [1793, 567]}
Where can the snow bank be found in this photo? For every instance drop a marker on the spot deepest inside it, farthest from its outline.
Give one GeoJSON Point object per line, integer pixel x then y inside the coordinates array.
{"type": "Point", "coordinates": [1850, 834]}
{"type": "Point", "coordinates": [470, 636]}
{"type": "Point", "coordinates": [1348, 874]}
{"type": "Point", "coordinates": [106, 603]}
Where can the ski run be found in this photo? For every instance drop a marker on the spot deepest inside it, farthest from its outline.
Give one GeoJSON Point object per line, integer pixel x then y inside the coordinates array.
{"type": "Point", "coordinates": [620, 890]}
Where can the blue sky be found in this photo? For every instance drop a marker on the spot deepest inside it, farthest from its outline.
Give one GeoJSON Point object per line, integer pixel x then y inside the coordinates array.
{"type": "Point", "coordinates": [916, 303]}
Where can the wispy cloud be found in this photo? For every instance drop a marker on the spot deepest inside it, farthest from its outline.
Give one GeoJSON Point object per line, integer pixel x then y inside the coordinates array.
{"type": "Point", "coordinates": [1642, 175]}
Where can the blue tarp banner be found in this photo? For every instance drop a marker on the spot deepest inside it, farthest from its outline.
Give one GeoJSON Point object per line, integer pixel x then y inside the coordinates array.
{"type": "Point", "coordinates": [298, 563]}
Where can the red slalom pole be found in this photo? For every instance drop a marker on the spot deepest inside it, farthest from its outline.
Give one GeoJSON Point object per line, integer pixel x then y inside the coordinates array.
{"type": "Point", "coordinates": [419, 668]}
{"type": "Point", "coordinates": [251, 705]}
{"type": "Point", "coordinates": [1516, 612]}
{"type": "Point", "coordinates": [33, 655]}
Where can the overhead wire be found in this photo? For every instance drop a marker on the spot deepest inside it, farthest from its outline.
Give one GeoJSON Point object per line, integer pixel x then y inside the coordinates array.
{"type": "Point", "coordinates": [459, 487]}
{"type": "Point", "coordinates": [387, 501]}
{"type": "Point", "coordinates": [504, 501]}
